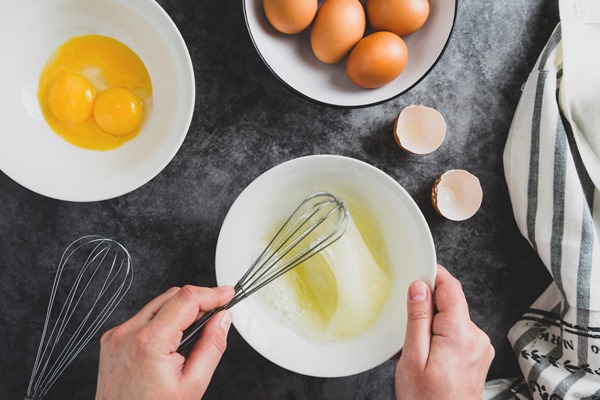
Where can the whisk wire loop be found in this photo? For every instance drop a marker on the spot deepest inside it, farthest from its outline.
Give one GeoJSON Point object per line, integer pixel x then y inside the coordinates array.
{"type": "Point", "coordinates": [103, 277]}
{"type": "Point", "coordinates": [285, 240]}
{"type": "Point", "coordinates": [321, 215]}
{"type": "Point", "coordinates": [80, 339]}
{"type": "Point", "coordinates": [283, 233]}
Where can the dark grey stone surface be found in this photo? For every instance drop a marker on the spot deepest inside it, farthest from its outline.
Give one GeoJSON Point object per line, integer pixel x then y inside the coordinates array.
{"type": "Point", "coordinates": [246, 122]}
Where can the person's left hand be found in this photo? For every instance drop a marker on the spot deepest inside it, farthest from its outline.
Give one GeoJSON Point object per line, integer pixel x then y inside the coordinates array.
{"type": "Point", "coordinates": [139, 359]}
{"type": "Point", "coordinates": [445, 355]}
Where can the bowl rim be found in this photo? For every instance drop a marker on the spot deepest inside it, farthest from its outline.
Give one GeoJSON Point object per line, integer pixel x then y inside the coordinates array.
{"type": "Point", "coordinates": [343, 106]}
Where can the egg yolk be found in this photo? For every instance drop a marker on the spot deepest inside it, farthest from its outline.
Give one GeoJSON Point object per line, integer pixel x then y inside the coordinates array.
{"type": "Point", "coordinates": [95, 92]}
{"type": "Point", "coordinates": [118, 111]}
{"type": "Point", "coordinates": [71, 98]}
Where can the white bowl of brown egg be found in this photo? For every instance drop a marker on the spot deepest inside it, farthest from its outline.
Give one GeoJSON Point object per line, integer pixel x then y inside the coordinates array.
{"type": "Point", "coordinates": [342, 311]}
{"type": "Point", "coordinates": [100, 95]}
{"type": "Point", "coordinates": [350, 53]}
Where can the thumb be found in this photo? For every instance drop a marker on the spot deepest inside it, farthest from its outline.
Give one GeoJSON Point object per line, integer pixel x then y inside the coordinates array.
{"type": "Point", "coordinates": [206, 353]}
{"type": "Point", "coordinates": [418, 327]}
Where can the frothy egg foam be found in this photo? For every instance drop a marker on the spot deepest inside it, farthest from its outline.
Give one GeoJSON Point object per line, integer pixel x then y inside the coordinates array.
{"type": "Point", "coordinates": [337, 294]}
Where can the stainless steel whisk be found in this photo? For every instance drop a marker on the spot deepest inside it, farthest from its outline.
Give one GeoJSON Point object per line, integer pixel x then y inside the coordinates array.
{"type": "Point", "coordinates": [93, 276]}
{"type": "Point", "coordinates": [318, 222]}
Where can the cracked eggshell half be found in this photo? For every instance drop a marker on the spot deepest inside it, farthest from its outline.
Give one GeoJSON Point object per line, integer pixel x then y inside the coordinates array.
{"type": "Point", "coordinates": [419, 129]}
{"type": "Point", "coordinates": [457, 195]}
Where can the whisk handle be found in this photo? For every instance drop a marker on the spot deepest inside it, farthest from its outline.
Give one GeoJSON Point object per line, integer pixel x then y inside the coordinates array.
{"type": "Point", "coordinates": [190, 335]}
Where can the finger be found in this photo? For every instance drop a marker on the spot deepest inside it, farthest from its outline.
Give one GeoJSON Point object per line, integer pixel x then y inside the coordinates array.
{"type": "Point", "coordinates": [449, 296]}
{"type": "Point", "coordinates": [491, 354]}
{"type": "Point", "coordinates": [183, 308]}
{"type": "Point", "coordinates": [207, 352]}
{"type": "Point", "coordinates": [418, 326]}
{"type": "Point", "coordinates": [149, 311]}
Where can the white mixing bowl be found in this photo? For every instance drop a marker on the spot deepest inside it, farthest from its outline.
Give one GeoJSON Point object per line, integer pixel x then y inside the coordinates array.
{"type": "Point", "coordinates": [269, 200]}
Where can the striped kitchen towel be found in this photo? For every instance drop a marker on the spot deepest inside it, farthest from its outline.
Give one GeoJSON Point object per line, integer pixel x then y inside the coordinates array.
{"type": "Point", "coordinates": [552, 168]}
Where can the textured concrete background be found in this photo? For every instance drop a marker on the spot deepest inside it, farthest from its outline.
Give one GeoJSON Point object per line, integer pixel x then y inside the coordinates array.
{"type": "Point", "coordinates": [246, 122]}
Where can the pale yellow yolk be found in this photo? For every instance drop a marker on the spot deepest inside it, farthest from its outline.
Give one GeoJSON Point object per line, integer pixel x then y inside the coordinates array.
{"type": "Point", "coordinates": [118, 111]}
{"type": "Point", "coordinates": [71, 98]}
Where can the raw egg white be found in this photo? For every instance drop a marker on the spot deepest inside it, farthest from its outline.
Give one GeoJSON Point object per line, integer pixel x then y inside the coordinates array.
{"type": "Point", "coordinates": [92, 92]}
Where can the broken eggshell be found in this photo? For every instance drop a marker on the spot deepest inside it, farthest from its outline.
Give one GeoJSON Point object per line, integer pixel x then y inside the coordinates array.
{"type": "Point", "coordinates": [419, 129]}
{"type": "Point", "coordinates": [457, 195]}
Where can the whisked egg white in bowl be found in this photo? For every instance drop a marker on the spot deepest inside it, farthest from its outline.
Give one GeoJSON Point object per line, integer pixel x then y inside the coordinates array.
{"type": "Point", "coordinates": [344, 311]}
{"type": "Point", "coordinates": [337, 294]}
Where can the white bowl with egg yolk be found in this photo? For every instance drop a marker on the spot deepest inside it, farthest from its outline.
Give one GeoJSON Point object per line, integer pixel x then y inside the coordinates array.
{"type": "Point", "coordinates": [266, 202]}
{"type": "Point", "coordinates": [39, 159]}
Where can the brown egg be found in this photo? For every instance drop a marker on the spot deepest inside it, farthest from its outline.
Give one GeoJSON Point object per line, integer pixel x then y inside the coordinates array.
{"type": "Point", "coordinates": [401, 17]}
{"type": "Point", "coordinates": [290, 16]}
{"type": "Point", "coordinates": [376, 60]}
{"type": "Point", "coordinates": [338, 26]}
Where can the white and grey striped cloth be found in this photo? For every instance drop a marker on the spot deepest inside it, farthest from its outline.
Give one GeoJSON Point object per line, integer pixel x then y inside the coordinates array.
{"type": "Point", "coordinates": [552, 167]}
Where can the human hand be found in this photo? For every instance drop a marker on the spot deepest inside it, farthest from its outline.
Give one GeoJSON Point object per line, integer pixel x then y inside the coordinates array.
{"type": "Point", "coordinates": [139, 359]}
{"type": "Point", "coordinates": [445, 355]}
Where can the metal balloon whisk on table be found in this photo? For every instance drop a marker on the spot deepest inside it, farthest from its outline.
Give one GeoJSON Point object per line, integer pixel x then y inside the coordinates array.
{"type": "Point", "coordinates": [319, 221]}
{"type": "Point", "coordinates": [93, 276]}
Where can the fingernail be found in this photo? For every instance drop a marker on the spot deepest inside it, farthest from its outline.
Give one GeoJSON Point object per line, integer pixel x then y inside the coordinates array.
{"type": "Point", "coordinates": [225, 320]}
{"type": "Point", "coordinates": [418, 291]}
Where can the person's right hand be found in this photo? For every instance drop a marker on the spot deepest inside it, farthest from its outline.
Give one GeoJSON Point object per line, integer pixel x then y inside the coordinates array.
{"type": "Point", "coordinates": [445, 355]}
{"type": "Point", "coordinates": [139, 358]}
